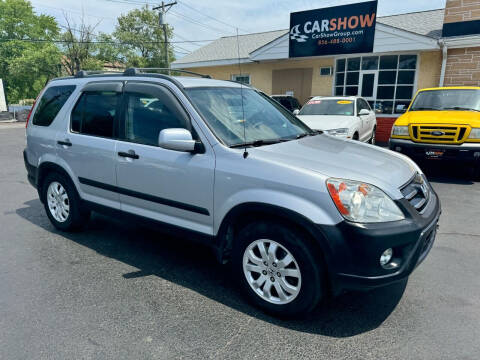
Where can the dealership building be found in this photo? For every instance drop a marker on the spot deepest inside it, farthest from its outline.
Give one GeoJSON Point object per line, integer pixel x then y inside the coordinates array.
{"type": "Point", "coordinates": [405, 53]}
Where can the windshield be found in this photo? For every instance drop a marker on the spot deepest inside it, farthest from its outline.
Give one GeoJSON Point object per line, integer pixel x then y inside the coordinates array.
{"type": "Point", "coordinates": [448, 99]}
{"type": "Point", "coordinates": [265, 120]}
{"type": "Point", "coordinates": [328, 107]}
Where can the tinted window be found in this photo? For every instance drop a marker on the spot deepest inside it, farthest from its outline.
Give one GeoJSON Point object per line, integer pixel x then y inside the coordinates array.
{"type": "Point", "coordinates": [388, 62]}
{"type": "Point", "coordinates": [362, 104]}
{"type": "Point", "coordinates": [147, 115]}
{"type": "Point", "coordinates": [50, 104]}
{"type": "Point", "coordinates": [408, 62]}
{"type": "Point", "coordinates": [353, 64]}
{"type": "Point", "coordinates": [95, 112]}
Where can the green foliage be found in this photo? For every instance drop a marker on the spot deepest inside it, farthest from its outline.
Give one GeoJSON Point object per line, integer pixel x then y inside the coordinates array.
{"type": "Point", "coordinates": [143, 39]}
{"type": "Point", "coordinates": [26, 66]}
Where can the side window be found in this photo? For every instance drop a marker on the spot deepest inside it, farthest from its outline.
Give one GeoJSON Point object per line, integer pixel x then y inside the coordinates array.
{"type": "Point", "coordinates": [362, 104]}
{"type": "Point", "coordinates": [149, 112]}
{"type": "Point", "coordinates": [95, 112]}
{"type": "Point", "coordinates": [50, 104]}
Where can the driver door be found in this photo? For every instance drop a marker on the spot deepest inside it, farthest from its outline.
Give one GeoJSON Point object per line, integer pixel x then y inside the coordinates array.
{"type": "Point", "coordinates": [166, 185]}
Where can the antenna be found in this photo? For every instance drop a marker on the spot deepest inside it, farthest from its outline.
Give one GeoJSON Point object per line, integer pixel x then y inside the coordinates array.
{"type": "Point", "coordinates": [245, 152]}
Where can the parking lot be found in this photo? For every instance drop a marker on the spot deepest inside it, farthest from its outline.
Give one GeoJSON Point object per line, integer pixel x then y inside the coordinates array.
{"type": "Point", "coordinates": [118, 290]}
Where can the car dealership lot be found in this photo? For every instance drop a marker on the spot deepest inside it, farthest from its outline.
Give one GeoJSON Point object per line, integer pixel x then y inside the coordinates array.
{"type": "Point", "coordinates": [119, 290]}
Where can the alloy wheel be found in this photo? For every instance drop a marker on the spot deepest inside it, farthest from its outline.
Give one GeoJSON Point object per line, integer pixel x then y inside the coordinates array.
{"type": "Point", "coordinates": [271, 271]}
{"type": "Point", "coordinates": [58, 202]}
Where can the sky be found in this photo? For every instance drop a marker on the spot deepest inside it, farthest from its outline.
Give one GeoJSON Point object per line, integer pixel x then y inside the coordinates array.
{"type": "Point", "coordinates": [210, 19]}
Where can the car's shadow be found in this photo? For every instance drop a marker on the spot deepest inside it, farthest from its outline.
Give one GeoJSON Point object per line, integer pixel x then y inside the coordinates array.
{"type": "Point", "coordinates": [194, 266]}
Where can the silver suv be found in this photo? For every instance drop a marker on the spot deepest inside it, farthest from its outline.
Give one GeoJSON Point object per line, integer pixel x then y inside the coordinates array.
{"type": "Point", "coordinates": [296, 213]}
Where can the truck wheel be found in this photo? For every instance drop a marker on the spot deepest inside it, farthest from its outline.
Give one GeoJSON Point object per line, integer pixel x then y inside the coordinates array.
{"type": "Point", "coordinates": [277, 269]}
{"type": "Point", "coordinates": [62, 203]}
{"type": "Point", "coordinates": [355, 136]}
{"type": "Point", "coordinates": [475, 171]}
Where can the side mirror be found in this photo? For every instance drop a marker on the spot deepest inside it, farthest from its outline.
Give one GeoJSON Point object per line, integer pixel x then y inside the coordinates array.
{"type": "Point", "coordinates": [296, 112]}
{"type": "Point", "coordinates": [176, 139]}
{"type": "Point", "coordinates": [363, 112]}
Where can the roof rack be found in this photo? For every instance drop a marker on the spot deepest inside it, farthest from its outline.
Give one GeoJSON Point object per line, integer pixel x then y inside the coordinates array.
{"type": "Point", "coordinates": [85, 73]}
{"type": "Point", "coordinates": [136, 71]}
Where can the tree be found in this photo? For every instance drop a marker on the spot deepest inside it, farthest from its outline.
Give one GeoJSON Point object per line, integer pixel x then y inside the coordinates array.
{"type": "Point", "coordinates": [142, 39]}
{"type": "Point", "coordinates": [79, 47]}
{"type": "Point", "coordinates": [28, 56]}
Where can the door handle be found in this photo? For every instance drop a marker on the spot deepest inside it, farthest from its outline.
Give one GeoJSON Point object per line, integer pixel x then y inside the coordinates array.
{"type": "Point", "coordinates": [130, 154]}
{"type": "Point", "coordinates": [64, 143]}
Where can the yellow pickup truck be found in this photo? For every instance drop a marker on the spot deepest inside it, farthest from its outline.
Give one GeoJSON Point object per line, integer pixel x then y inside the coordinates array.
{"type": "Point", "coordinates": [441, 123]}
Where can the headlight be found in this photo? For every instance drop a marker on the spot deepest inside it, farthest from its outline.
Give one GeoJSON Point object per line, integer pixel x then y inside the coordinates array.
{"type": "Point", "coordinates": [400, 131]}
{"type": "Point", "coordinates": [338, 132]}
{"type": "Point", "coordinates": [364, 203]}
{"type": "Point", "coordinates": [474, 133]}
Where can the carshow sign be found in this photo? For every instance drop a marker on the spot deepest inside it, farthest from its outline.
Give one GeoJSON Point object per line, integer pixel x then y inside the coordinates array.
{"type": "Point", "coordinates": [343, 29]}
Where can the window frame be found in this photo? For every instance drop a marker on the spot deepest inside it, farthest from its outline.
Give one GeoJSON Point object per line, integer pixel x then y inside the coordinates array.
{"type": "Point", "coordinates": [233, 77]}
{"type": "Point", "coordinates": [341, 89]}
{"type": "Point", "coordinates": [79, 98]}
{"type": "Point", "coordinates": [124, 110]}
{"type": "Point", "coordinates": [37, 106]}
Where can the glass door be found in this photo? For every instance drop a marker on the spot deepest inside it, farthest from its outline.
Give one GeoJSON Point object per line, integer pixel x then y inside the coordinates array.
{"type": "Point", "coordinates": [368, 85]}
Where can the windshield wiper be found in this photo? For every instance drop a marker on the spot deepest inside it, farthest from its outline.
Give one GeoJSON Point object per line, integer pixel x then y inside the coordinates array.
{"type": "Point", "coordinates": [460, 108]}
{"type": "Point", "coordinates": [256, 143]}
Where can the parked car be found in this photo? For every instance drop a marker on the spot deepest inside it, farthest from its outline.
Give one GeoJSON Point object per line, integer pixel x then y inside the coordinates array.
{"type": "Point", "coordinates": [297, 214]}
{"type": "Point", "coordinates": [346, 117]}
{"type": "Point", "coordinates": [441, 124]}
{"type": "Point", "coordinates": [288, 102]}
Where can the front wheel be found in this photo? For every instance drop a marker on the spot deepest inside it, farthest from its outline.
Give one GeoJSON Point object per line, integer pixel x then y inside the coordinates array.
{"type": "Point", "coordinates": [278, 269]}
{"type": "Point", "coordinates": [373, 139]}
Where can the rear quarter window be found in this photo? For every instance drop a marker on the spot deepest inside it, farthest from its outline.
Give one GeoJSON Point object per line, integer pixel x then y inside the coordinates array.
{"type": "Point", "coordinates": [50, 104]}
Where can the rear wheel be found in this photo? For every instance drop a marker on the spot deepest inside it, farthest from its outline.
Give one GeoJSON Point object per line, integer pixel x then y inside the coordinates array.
{"type": "Point", "coordinates": [62, 203]}
{"type": "Point", "coordinates": [277, 269]}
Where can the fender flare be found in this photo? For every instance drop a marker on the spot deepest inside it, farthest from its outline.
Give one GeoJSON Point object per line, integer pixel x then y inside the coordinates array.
{"type": "Point", "coordinates": [246, 212]}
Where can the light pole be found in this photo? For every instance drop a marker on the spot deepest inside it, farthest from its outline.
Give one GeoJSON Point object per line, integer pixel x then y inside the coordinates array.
{"type": "Point", "coordinates": [161, 21]}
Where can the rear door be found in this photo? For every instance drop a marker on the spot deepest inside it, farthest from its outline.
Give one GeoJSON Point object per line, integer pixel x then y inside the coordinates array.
{"type": "Point", "coordinates": [166, 185]}
{"type": "Point", "coordinates": [88, 144]}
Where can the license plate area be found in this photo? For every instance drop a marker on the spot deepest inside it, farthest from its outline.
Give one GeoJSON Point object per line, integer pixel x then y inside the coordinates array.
{"type": "Point", "coordinates": [434, 153]}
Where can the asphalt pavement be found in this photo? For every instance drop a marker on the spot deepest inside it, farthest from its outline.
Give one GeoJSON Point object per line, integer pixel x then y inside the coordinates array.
{"type": "Point", "coordinates": [121, 291]}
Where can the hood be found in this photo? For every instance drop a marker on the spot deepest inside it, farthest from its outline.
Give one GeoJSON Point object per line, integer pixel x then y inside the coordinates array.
{"type": "Point", "coordinates": [326, 122]}
{"type": "Point", "coordinates": [347, 159]}
{"type": "Point", "coordinates": [440, 117]}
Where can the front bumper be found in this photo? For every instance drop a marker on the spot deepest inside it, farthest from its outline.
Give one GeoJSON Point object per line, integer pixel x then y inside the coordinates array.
{"type": "Point", "coordinates": [355, 249]}
{"type": "Point", "coordinates": [466, 152]}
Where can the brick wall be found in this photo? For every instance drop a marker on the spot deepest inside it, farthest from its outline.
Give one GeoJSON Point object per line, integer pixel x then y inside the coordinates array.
{"type": "Point", "coordinates": [461, 10]}
{"type": "Point", "coordinates": [463, 67]}
{"type": "Point", "coordinates": [384, 128]}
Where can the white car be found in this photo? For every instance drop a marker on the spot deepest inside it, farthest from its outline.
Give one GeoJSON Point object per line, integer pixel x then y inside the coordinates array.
{"type": "Point", "coordinates": [348, 117]}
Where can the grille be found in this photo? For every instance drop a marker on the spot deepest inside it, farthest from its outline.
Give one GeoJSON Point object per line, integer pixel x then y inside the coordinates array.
{"type": "Point", "coordinates": [432, 133]}
{"type": "Point", "coordinates": [417, 192]}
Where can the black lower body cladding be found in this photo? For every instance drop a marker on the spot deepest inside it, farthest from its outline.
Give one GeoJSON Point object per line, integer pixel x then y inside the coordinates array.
{"type": "Point", "coordinates": [355, 249]}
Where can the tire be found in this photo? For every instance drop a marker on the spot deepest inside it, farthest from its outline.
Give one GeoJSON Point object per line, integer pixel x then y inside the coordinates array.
{"type": "Point", "coordinates": [59, 193]}
{"type": "Point", "coordinates": [373, 139]}
{"type": "Point", "coordinates": [475, 171]}
{"type": "Point", "coordinates": [355, 137]}
{"type": "Point", "coordinates": [309, 284]}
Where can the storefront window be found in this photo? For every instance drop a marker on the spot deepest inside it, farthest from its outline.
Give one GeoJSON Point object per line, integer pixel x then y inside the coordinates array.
{"type": "Point", "coordinates": [386, 81]}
